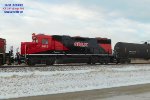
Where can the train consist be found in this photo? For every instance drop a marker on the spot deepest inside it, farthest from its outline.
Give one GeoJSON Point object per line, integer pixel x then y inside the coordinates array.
{"type": "Point", "coordinates": [50, 49]}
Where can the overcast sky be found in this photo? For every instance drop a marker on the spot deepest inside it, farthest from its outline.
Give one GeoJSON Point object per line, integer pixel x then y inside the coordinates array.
{"type": "Point", "coordinates": [120, 20]}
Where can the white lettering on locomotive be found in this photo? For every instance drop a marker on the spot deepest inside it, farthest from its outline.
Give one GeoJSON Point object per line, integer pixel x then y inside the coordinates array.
{"type": "Point", "coordinates": [80, 44]}
{"type": "Point", "coordinates": [44, 46]}
{"type": "Point", "coordinates": [132, 52]}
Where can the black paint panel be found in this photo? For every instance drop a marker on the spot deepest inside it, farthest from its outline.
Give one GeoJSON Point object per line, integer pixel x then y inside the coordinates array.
{"type": "Point", "coordinates": [93, 45]}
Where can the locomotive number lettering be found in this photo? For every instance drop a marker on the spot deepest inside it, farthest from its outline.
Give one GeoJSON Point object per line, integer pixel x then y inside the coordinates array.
{"type": "Point", "coordinates": [44, 46]}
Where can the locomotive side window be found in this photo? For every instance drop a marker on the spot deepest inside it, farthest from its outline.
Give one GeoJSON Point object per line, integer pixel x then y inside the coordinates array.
{"type": "Point", "coordinates": [44, 41]}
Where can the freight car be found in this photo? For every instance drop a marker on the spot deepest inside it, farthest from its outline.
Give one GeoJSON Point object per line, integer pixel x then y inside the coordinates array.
{"type": "Point", "coordinates": [4, 57]}
{"type": "Point", "coordinates": [132, 52]}
{"type": "Point", "coordinates": [50, 49]}
{"type": "Point", "coordinates": [2, 50]}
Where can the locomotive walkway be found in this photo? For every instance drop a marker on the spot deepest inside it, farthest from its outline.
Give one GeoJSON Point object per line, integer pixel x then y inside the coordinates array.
{"type": "Point", "coordinates": [136, 92]}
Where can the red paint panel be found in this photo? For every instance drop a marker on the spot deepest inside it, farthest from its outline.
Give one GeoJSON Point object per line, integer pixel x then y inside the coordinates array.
{"type": "Point", "coordinates": [2, 45]}
{"type": "Point", "coordinates": [58, 46]}
{"type": "Point", "coordinates": [33, 47]}
{"type": "Point", "coordinates": [107, 48]}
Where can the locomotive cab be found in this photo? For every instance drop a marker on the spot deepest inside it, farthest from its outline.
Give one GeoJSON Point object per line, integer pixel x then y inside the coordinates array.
{"type": "Point", "coordinates": [40, 43]}
{"type": "Point", "coordinates": [34, 52]}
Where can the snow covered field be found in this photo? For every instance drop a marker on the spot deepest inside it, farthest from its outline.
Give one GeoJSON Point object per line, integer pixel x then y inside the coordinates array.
{"type": "Point", "coordinates": [19, 82]}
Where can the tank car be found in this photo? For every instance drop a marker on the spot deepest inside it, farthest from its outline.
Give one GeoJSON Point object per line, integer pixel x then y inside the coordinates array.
{"type": "Point", "coordinates": [132, 52]}
{"type": "Point", "coordinates": [50, 49]}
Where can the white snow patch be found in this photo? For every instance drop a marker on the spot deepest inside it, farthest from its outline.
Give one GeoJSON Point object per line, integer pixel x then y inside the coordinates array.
{"type": "Point", "coordinates": [32, 83]}
{"type": "Point", "coordinates": [10, 74]}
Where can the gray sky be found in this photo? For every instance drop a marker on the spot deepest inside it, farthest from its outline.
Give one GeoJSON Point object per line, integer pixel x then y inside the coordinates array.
{"type": "Point", "coordinates": [120, 20]}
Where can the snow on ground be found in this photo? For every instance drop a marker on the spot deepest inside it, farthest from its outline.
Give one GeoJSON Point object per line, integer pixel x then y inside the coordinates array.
{"type": "Point", "coordinates": [27, 82]}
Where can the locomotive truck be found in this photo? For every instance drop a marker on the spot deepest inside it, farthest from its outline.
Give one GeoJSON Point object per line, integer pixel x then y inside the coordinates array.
{"type": "Point", "coordinates": [50, 49]}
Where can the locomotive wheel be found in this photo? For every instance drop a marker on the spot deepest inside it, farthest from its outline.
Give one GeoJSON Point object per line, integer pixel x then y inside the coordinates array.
{"type": "Point", "coordinates": [94, 60]}
{"type": "Point", "coordinates": [117, 61]}
{"type": "Point", "coordinates": [88, 62]}
{"type": "Point", "coordinates": [101, 63]}
{"type": "Point", "coordinates": [1, 62]}
{"type": "Point", "coordinates": [125, 61]}
{"type": "Point", "coordinates": [50, 61]}
{"type": "Point", "coordinates": [30, 62]}
{"type": "Point", "coordinates": [106, 62]}
{"type": "Point", "coordinates": [128, 62]}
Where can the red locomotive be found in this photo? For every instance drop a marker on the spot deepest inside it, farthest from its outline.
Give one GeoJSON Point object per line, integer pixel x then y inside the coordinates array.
{"type": "Point", "coordinates": [50, 49]}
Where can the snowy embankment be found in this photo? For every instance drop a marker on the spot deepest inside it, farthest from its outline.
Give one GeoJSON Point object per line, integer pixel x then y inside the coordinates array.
{"type": "Point", "coordinates": [36, 82]}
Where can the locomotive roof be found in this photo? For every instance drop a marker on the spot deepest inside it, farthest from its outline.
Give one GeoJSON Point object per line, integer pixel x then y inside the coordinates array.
{"type": "Point", "coordinates": [99, 38]}
{"type": "Point", "coordinates": [2, 39]}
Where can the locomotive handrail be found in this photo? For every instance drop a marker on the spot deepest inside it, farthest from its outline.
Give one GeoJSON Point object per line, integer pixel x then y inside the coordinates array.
{"type": "Point", "coordinates": [71, 54]}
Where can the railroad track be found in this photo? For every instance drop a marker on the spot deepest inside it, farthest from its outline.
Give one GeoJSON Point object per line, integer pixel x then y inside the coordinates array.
{"type": "Point", "coordinates": [15, 66]}
{"type": "Point", "coordinates": [19, 66]}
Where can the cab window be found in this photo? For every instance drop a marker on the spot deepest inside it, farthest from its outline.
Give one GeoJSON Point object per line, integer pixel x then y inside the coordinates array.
{"type": "Point", "coordinates": [44, 41]}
